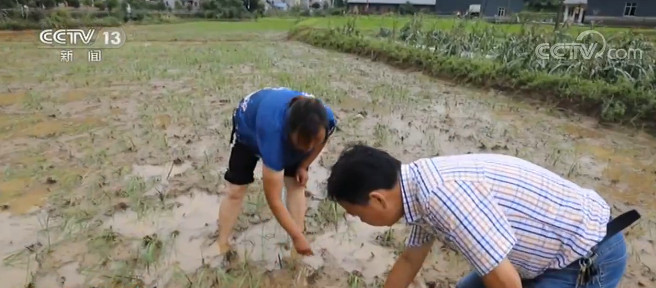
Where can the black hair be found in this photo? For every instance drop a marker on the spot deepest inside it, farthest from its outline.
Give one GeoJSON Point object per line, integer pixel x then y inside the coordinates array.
{"type": "Point", "coordinates": [306, 116]}
{"type": "Point", "coordinates": [359, 171]}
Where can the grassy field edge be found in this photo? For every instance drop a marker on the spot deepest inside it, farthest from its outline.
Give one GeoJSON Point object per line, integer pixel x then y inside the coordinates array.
{"type": "Point", "coordinates": [611, 103]}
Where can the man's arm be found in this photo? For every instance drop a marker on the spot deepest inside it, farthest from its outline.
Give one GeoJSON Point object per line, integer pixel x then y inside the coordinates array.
{"type": "Point", "coordinates": [503, 276]}
{"type": "Point", "coordinates": [271, 150]}
{"type": "Point", "coordinates": [273, 182]}
{"type": "Point", "coordinates": [478, 228]}
{"type": "Point", "coordinates": [407, 265]}
{"type": "Point", "coordinates": [405, 269]}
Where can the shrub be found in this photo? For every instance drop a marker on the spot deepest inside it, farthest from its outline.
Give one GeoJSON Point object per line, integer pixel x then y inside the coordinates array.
{"type": "Point", "coordinates": [74, 3]}
{"type": "Point", "coordinates": [111, 5]}
{"type": "Point", "coordinates": [144, 5]}
{"type": "Point", "coordinates": [527, 16]}
{"type": "Point", "coordinates": [407, 9]}
{"type": "Point", "coordinates": [60, 18]}
{"type": "Point", "coordinates": [36, 15]}
{"type": "Point", "coordinates": [18, 24]}
{"type": "Point", "coordinates": [226, 9]}
{"type": "Point", "coordinates": [335, 11]}
{"type": "Point", "coordinates": [101, 5]}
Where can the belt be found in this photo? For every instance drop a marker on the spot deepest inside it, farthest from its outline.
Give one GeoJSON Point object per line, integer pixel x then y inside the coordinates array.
{"type": "Point", "coordinates": [588, 267]}
{"type": "Point", "coordinates": [620, 223]}
{"type": "Point", "coordinates": [234, 128]}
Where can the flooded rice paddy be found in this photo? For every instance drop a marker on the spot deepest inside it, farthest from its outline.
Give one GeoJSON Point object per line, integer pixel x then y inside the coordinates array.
{"type": "Point", "coordinates": [112, 171]}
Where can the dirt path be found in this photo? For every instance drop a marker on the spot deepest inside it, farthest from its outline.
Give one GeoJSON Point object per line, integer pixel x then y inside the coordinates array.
{"type": "Point", "coordinates": [130, 155]}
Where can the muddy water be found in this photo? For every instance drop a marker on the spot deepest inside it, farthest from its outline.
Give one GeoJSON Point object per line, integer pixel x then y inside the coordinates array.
{"type": "Point", "coordinates": [407, 114]}
{"type": "Point", "coordinates": [189, 226]}
{"type": "Point", "coordinates": [17, 234]}
{"type": "Point", "coordinates": [358, 250]}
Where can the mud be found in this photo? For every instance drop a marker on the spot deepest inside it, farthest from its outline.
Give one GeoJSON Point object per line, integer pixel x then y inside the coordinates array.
{"type": "Point", "coordinates": [137, 176]}
{"type": "Point", "coordinates": [7, 99]}
{"type": "Point", "coordinates": [189, 227]}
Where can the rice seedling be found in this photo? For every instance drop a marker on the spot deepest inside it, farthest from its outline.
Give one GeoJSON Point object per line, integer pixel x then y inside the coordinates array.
{"type": "Point", "coordinates": [151, 250]}
{"type": "Point", "coordinates": [256, 209]}
{"type": "Point", "coordinates": [328, 213]}
{"type": "Point", "coordinates": [381, 134]}
{"type": "Point", "coordinates": [134, 191]}
{"type": "Point", "coordinates": [355, 280]}
{"type": "Point", "coordinates": [387, 239]}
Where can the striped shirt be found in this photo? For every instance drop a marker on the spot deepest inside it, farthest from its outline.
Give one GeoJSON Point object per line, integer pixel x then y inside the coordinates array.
{"type": "Point", "coordinates": [490, 207]}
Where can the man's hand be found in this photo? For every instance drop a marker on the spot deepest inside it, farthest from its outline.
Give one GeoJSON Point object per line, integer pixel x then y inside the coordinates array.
{"type": "Point", "coordinates": [503, 276]}
{"type": "Point", "coordinates": [407, 265]}
{"type": "Point", "coordinates": [302, 246]}
{"type": "Point", "coordinates": [302, 176]}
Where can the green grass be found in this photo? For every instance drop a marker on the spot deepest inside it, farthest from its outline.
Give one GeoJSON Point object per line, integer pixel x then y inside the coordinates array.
{"type": "Point", "coordinates": [257, 25]}
{"type": "Point", "coordinates": [209, 30]}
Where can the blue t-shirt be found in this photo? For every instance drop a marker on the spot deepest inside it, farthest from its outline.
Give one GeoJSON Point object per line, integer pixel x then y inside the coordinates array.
{"type": "Point", "coordinates": [260, 122]}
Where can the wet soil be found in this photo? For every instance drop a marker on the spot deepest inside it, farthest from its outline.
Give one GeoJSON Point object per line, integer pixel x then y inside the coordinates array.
{"type": "Point", "coordinates": [114, 178]}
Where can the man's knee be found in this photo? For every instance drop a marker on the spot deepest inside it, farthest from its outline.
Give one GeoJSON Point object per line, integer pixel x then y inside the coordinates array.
{"type": "Point", "coordinates": [292, 185]}
{"type": "Point", "coordinates": [236, 192]}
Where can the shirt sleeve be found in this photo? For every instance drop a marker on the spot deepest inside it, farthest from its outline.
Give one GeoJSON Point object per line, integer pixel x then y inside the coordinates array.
{"type": "Point", "coordinates": [332, 122]}
{"type": "Point", "coordinates": [269, 142]}
{"type": "Point", "coordinates": [474, 223]}
{"type": "Point", "coordinates": [418, 236]}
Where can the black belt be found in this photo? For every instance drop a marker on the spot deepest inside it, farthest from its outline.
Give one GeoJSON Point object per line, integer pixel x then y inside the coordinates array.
{"type": "Point", "coordinates": [234, 128]}
{"type": "Point", "coordinates": [620, 223]}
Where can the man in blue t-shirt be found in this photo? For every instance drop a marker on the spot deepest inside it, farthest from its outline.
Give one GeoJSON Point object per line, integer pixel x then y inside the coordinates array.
{"type": "Point", "coordinates": [287, 129]}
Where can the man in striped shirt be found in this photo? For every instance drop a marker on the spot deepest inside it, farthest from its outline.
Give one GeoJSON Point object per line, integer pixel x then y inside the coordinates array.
{"type": "Point", "coordinates": [517, 224]}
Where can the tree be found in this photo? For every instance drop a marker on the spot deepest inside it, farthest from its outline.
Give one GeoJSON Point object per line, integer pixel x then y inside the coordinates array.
{"type": "Point", "coordinates": [407, 9]}
{"type": "Point", "coordinates": [227, 9]}
{"type": "Point", "coordinates": [254, 6]}
{"type": "Point", "coordinates": [542, 5]}
{"type": "Point", "coordinates": [559, 14]}
{"type": "Point", "coordinates": [7, 4]}
{"type": "Point", "coordinates": [111, 4]}
{"type": "Point", "coordinates": [45, 3]}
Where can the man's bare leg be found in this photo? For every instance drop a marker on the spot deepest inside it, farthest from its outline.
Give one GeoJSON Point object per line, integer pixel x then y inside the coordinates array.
{"type": "Point", "coordinates": [229, 211]}
{"type": "Point", "coordinates": [296, 204]}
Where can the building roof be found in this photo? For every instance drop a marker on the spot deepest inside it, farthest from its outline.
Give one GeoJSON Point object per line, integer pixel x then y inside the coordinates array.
{"type": "Point", "coordinates": [414, 2]}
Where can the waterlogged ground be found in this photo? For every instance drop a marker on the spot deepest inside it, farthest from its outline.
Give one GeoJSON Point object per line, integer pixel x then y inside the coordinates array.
{"type": "Point", "coordinates": [112, 172]}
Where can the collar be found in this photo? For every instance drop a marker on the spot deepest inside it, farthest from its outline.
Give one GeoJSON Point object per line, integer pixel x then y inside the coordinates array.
{"type": "Point", "coordinates": [409, 194]}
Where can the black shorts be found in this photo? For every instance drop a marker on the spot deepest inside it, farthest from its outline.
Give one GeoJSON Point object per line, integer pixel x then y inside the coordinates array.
{"type": "Point", "coordinates": [242, 165]}
{"type": "Point", "coordinates": [243, 161]}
